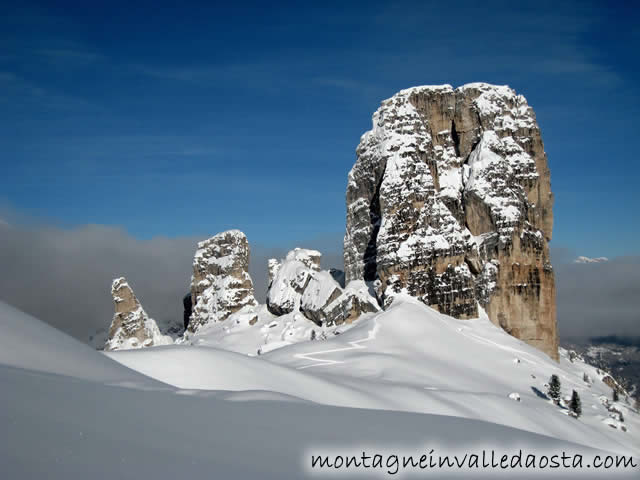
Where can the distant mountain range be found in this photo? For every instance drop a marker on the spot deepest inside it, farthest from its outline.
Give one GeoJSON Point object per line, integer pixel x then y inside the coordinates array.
{"type": "Point", "coordinates": [617, 355]}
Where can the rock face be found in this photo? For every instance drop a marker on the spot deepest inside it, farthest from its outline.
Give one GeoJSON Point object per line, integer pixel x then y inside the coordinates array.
{"type": "Point", "coordinates": [450, 201]}
{"type": "Point", "coordinates": [221, 284]}
{"type": "Point", "coordinates": [131, 327]}
{"type": "Point", "coordinates": [298, 284]}
{"type": "Point", "coordinates": [354, 301]}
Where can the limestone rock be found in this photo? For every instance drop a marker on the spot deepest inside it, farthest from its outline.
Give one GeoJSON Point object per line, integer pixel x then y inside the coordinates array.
{"type": "Point", "coordinates": [221, 284]}
{"type": "Point", "coordinates": [450, 201]}
{"type": "Point", "coordinates": [131, 326]}
{"type": "Point", "coordinates": [300, 285]}
{"type": "Point", "coordinates": [354, 301]}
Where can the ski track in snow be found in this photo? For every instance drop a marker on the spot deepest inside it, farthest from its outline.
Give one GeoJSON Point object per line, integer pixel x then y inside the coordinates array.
{"type": "Point", "coordinates": [355, 345]}
{"type": "Point", "coordinates": [521, 354]}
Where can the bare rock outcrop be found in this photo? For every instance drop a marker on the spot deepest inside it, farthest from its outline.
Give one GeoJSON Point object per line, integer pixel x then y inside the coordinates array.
{"type": "Point", "coordinates": [450, 201]}
{"type": "Point", "coordinates": [221, 284]}
{"type": "Point", "coordinates": [131, 326]}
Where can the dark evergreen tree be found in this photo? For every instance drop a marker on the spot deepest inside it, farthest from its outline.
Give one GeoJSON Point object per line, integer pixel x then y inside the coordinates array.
{"type": "Point", "coordinates": [554, 389]}
{"type": "Point", "coordinates": [616, 397]}
{"type": "Point", "coordinates": [575, 405]}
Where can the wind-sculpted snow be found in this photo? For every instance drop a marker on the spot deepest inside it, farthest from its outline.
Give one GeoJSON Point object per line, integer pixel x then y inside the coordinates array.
{"type": "Point", "coordinates": [450, 202]}
{"type": "Point", "coordinates": [60, 429]}
{"type": "Point", "coordinates": [409, 358]}
{"type": "Point", "coordinates": [27, 343]}
{"type": "Point", "coordinates": [68, 411]}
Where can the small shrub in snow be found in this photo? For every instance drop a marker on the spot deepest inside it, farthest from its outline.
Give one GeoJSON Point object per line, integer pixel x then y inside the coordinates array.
{"type": "Point", "coordinates": [616, 397]}
{"type": "Point", "coordinates": [575, 405]}
{"type": "Point", "coordinates": [554, 389]}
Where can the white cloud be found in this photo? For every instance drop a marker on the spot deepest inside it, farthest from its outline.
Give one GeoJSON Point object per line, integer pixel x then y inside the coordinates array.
{"type": "Point", "coordinates": [583, 259]}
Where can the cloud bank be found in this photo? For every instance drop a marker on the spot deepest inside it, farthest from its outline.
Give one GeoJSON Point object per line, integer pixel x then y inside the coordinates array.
{"type": "Point", "coordinates": [63, 276]}
{"type": "Point", "coordinates": [599, 299]}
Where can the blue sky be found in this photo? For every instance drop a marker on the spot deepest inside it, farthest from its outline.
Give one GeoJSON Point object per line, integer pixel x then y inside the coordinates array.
{"type": "Point", "coordinates": [191, 119]}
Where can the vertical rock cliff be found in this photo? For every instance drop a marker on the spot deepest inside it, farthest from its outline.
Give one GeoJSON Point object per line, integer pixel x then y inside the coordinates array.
{"type": "Point", "coordinates": [221, 284]}
{"type": "Point", "coordinates": [450, 201]}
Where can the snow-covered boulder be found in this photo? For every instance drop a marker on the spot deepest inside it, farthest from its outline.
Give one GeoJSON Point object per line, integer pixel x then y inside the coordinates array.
{"type": "Point", "coordinates": [131, 326]}
{"type": "Point", "coordinates": [450, 201]}
{"type": "Point", "coordinates": [355, 300]}
{"type": "Point", "coordinates": [298, 284]}
{"type": "Point", "coordinates": [320, 291]}
{"type": "Point", "coordinates": [221, 284]}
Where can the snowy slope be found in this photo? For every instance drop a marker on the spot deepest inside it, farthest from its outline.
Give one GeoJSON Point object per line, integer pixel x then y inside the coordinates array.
{"type": "Point", "coordinates": [28, 343]}
{"type": "Point", "coordinates": [411, 358]}
{"type": "Point", "coordinates": [63, 418]}
{"type": "Point", "coordinates": [269, 332]}
{"type": "Point", "coordinates": [56, 428]}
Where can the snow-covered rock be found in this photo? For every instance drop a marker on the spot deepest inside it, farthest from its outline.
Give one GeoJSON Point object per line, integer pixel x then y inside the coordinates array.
{"type": "Point", "coordinates": [272, 270]}
{"type": "Point", "coordinates": [221, 284]}
{"type": "Point", "coordinates": [262, 332]}
{"type": "Point", "coordinates": [450, 201]}
{"type": "Point", "coordinates": [298, 284]}
{"type": "Point", "coordinates": [303, 302]}
{"type": "Point", "coordinates": [131, 326]}
{"type": "Point", "coordinates": [354, 301]}
{"type": "Point", "coordinates": [321, 290]}
{"type": "Point", "coordinates": [292, 276]}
